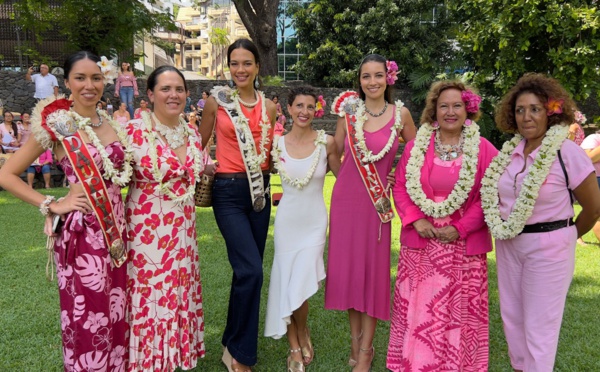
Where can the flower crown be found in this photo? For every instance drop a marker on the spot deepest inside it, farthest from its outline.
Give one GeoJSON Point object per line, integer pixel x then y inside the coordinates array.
{"type": "Point", "coordinates": [471, 100]}
{"type": "Point", "coordinates": [108, 69]}
{"type": "Point", "coordinates": [392, 72]}
{"type": "Point", "coordinates": [320, 111]}
{"type": "Point", "coordinates": [554, 106]}
{"type": "Point", "coordinates": [580, 117]}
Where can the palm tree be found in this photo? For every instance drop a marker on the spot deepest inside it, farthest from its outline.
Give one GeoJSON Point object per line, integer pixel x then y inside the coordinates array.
{"type": "Point", "coordinates": [219, 38]}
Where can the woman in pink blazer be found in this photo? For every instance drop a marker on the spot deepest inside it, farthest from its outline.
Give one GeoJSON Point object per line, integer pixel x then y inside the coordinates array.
{"type": "Point", "coordinates": [440, 316]}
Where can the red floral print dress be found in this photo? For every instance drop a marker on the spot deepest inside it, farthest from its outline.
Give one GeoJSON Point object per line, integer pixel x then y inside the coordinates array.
{"type": "Point", "coordinates": [163, 285]}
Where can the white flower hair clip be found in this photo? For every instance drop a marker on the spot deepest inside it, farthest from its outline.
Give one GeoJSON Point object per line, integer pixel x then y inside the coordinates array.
{"type": "Point", "coordinates": [108, 69]}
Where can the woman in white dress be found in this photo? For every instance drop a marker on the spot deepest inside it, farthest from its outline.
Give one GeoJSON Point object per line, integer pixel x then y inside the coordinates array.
{"type": "Point", "coordinates": [302, 158]}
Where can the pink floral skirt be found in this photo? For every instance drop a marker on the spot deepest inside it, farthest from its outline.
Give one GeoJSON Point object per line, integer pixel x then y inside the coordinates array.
{"type": "Point", "coordinates": [440, 315]}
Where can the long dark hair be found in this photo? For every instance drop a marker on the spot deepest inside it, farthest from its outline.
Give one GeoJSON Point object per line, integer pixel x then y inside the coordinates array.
{"type": "Point", "coordinates": [374, 58]}
{"type": "Point", "coordinates": [153, 77]}
{"type": "Point", "coordinates": [14, 126]}
{"type": "Point", "coordinates": [76, 57]}
{"type": "Point", "coordinates": [249, 46]}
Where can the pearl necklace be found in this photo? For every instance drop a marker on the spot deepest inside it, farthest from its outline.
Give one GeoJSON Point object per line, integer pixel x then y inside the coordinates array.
{"type": "Point", "coordinates": [379, 113]}
{"type": "Point", "coordinates": [448, 152]}
{"type": "Point", "coordinates": [175, 136]}
{"type": "Point", "coordinates": [99, 121]}
{"type": "Point", "coordinates": [246, 104]}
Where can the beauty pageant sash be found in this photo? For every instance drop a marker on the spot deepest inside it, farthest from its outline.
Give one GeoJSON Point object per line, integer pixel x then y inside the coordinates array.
{"type": "Point", "coordinates": [247, 148]}
{"type": "Point", "coordinates": [369, 175]}
{"type": "Point", "coordinates": [95, 189]}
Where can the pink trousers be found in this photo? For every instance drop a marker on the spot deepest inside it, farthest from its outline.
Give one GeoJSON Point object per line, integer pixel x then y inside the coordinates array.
{"type": "Point", "coordinates": [534, 274]}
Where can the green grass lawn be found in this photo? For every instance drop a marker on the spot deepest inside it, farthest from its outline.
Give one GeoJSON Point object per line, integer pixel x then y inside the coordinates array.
{"type": "Point", "coordinates": [30, 322]}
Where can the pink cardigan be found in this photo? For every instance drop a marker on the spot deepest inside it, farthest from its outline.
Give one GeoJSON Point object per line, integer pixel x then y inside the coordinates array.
{"type": "Point", "coordinates": [471, 226]}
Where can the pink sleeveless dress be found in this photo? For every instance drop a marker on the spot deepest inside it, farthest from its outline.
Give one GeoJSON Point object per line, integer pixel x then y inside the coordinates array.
{"type": "Point", "coordinates": [358, 267]}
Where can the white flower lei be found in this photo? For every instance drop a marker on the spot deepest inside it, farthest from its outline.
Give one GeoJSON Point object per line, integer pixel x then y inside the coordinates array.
{"type": "Point", "coordinates": [466, 176]}
{"type": "Point", "coordinates": [119, 178]}
{"type": "Point", "coordinates": [367, 155]}
{"type": "Point", "coordinates": [299, 183]}
{"type": "Point", "coordinates": [538, 171]}
{"type": "Point", "coordinates": [198, 166]}
{"type": "Point", "coordinates": [253, 159]}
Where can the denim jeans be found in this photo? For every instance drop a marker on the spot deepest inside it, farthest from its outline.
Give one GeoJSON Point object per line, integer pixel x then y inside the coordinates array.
{"type": "Point", "coordinates": [245, 233]}
{"type": "Point", "coordinates": [126, 96]}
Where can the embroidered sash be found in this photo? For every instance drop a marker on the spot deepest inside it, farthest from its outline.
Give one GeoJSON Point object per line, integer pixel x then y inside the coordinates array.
{"type": "Point", "coordinates": [247, 149]}
{"type": "Point", "coordinates": [369, 175]}
{"type": "Point", "coordinates": [95, 190]}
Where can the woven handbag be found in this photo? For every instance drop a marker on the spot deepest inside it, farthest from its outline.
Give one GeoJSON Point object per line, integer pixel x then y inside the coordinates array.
{"type": "Point", "coordinates": [203, 195]}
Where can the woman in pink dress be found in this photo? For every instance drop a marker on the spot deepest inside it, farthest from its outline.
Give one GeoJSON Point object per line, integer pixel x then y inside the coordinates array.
{"type": "Point", "coordinates": [91, 285]}
{"type": "Point", "coordinates": [440, 316]}
{"type": "Point", "coordinates": [358, 266]}
{"type": "Point", "coordinates": [163, 289]}
{"type": "Point", "coordinates": [527, 198]}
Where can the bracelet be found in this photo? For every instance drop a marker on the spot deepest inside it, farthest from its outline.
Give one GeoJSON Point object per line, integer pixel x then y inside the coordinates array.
{"type": "Point", "coordinates": [45, 206]}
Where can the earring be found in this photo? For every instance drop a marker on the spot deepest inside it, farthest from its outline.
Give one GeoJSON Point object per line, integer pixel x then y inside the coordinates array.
{"type": "Point", "coordinates": [256, 83]}
{"type": "Point", "coordinates": [231, 83]}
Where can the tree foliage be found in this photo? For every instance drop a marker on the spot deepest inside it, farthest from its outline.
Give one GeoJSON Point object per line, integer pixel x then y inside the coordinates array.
{"type": "Point", "coordinates": [334, 35]}
{"type": "Point", "coordinates": [102, 27]}
{"type": "Point", "coordinates": [260, 18]}
{"type": "Point", "coordinates": [506, 38]}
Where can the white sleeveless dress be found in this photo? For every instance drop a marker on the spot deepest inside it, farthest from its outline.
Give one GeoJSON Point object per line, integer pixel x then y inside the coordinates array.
{"type": "Point", "coordinates": [300, 236]}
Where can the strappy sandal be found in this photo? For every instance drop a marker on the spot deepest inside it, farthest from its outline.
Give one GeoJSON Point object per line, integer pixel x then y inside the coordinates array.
{"type": "Point", "coordinates": [353, 362]}
{"type": "Point", "coordinates": [294, 365]}
{"type": "Point", "coordinates": [231, 364]}
{"type": "Point", "coordinates": [371, 351]}
{"type": "Point", "coordinates": [308, 352]}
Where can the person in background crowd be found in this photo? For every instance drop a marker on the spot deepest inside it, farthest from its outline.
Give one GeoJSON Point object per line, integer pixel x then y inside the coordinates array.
{"type": "Point", "coordinates": [193, 120]}
{"type": "Point", "coordinates": [202, 101]}
{"type": "Point", "coordinates": [242, 208]}
{"type": "Point", "coordinates": [126, 87]}
{"type": "Point", "coordinates": [45, 83]}
{"type": "Point", "coordinates": [121, 116]}
{"type": "Point", "coordinates": [188, 104]}
{"type": "Point", "coordinates": [41, 165]}
{"type": "Point", "coordinates": [25, 127]}
{"type": "Point", "coordinates": [527, 198]}
{"type": "Point", "coordinates": [9, 133]}
{"type": "Point", "coordinates": [143, 108]}
{"type": "Point", "coordinates": [576, 132]}
{"type": "Point", "coordinates": [358, 267]}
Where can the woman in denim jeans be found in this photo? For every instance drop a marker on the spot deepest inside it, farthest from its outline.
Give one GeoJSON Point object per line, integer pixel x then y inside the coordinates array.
{"type": "Point", "coordinates": [126, 87]}
{"type": "Point", "coordinates": [242, 208]}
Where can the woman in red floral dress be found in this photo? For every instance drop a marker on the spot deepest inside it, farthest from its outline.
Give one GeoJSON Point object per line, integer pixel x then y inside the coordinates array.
{"type": "Point", "coordinates": [163, 286]}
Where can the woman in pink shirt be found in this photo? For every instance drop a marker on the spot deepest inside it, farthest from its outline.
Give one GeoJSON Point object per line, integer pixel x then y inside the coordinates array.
{"type": "Point", "coordinates": [442, 269]}
{"type": "Point", "coordinates": [126, 87]}
{"type": "Point", "coordinates": [527, 200]}
{"type": "Point", "coordinates": [42, 164]}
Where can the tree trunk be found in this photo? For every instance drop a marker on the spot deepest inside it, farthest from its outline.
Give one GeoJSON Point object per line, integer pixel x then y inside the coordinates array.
{"type": "Point", "coordinates": [259, 17]}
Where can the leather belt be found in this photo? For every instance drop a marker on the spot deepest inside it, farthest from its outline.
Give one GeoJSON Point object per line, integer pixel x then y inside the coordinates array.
{"type": "Point", "coordinates": [547, 226]}
{"type": "Point", "coordinates": [238, 175]}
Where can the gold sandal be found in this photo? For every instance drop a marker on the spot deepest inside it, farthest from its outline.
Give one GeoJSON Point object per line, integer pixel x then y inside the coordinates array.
{"type": "Point", "coordinates": [371, 351]}
{"type": "Point", "coordinates": [308, 352]}
{"type": "Point", "coordinates": [353, 362]}
{"type": "Point", "coordinates": [294, 365]}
